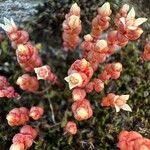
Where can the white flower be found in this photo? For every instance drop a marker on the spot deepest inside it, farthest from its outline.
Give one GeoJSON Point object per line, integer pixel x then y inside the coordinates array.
{"type": "Point", "coordinates": [42, 72]}
{"type": "Point", "coordinates": [74, 80]}
{"type": "Point", "coordinates": [8, 25]}
{"type": "Point", "coordinates": [125, 107]}
{"type": "Point", "coordinates": [130, 22]}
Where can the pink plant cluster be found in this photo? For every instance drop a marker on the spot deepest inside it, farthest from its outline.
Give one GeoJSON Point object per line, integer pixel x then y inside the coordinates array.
{"type": "Point", "coordinates": [18, 117]}
{"type": "Point", "coordinates": [95, 51]}
{"type": "Point", "coordinates": [133, 141]}
{"type": "Point", "coordinates": [29, 59]}
{"type": "Point", "coordinates": [24, 139]}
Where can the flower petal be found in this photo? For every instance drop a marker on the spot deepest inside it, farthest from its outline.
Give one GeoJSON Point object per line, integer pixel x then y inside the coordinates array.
{"type": "Point", "coordinates": [132, 27]}
{"type": "Point", "coordinates": [117, 108]}
{"type": "Point", "coordinates": [7, 21]}
{"type": "Point", "coordinates": [126, 107]}
{"type": "Point", "coordinates": [37, 73]}
{"type": "Point", "coordinates": [105, 6]}
{"type": "Point", "coordinates": [122, 19]}
{"type": "Point", "coordinates": [125, 97]}
{"type": "Point", "coordinates": [2, 26]}
{"type": "Point", "coordinates": [140, 21]}
{"type": "Point", "coordinates": [131, 14]}
{"type": "Point", "coordinates": [13, 23]}
{"type": "Point", "coordinates": [8, 28]}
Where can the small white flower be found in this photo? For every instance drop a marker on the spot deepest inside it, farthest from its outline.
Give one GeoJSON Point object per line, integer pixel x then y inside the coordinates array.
{"type": "Point", "coordinates": [41, 70]}
{"type": "Point", "coordinates": [8, 25]}
{"type": "Point", "coordinates": [74, 80]}
{"type": "Point", "coordinates": [130, 22]}
{"type": "Point", "coordinates": [125, 107]}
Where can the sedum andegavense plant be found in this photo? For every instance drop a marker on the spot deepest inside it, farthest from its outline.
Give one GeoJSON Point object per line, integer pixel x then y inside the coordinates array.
{"type": "Point", "coordinates": [94, 52]}
{"type": "Point", "coordinates": [80, 74]}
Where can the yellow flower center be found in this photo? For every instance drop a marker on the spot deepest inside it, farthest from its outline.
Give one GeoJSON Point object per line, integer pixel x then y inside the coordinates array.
{"type": "Point", "coordinates": [73, 80]}
{"type": "Point", "coordinates": [82, 112]}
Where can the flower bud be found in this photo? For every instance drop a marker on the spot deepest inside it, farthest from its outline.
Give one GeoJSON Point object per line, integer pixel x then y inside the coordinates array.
{"type": "Point", "coordinates": [89, 87]}
{"type": "Point", "coordinates": [117, 66]}
{"type": "Point", "coordinates": [112, 36]}
{"type": "Point", "coordinates": [108, 100]}
{"type": "Point", "coordinates": [74, 21]}
{"type": "Point", "coordinates": [28, 130]}
{"type": "Point", "coordinates": [121, 40]}
{"type": "Point", "coordinates": [104, 76]}
{"type": "Point", "coordinates": [3, 82]}
{"type": "Point", "coordinates": [78, 94]}
{"type": "Point", "coordinates": [82, 110]}
{"type": "Point", "coordinates": [75, 10]}
{"type": "Point", "coordinates": [28, 83]}
{"type": "Point", "coordinates": [18, 116]}
{"type": "Point", "coordinates": [105, 10]}
{"type": "Point", "coordinates": [98, 85]}
{"type": "Point", "coordinates": [101, 46]}
{"type": "Point", "coordinates": [36, 112]}
{"type": "Point", "coordinates": [25, 139]}
{"type": "Point", "coordinates": [83, 68]}
{"type": "Point", "coordinates": [28, 57]}
{"type": "Point", "coordinates": [17, 146]}
{"type": "Point", "coordinates": [88, 38]}
{"type": "Point", "coordinates": [71, 128]}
